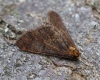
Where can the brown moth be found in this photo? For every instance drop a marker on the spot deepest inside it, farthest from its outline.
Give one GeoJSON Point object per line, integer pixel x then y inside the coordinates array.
{"type": "Point", "coordinates": [50, 39]}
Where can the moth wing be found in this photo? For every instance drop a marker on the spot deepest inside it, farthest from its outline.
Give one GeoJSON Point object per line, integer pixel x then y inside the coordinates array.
{"type": "Point", "coordinates": [56, 21]}
{"type": "Point", "coordinates": [45, 40]}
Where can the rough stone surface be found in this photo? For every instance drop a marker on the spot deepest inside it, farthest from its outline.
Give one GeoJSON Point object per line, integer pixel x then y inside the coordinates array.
{"type": "Point", "coordinates": [82, 26]}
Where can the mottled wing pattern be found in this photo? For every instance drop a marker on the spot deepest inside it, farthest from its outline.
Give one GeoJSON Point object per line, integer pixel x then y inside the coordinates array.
{"type": "Point", "coordinates": [55, 20]}
{"type": "Point", "coordinates": [49, 39]}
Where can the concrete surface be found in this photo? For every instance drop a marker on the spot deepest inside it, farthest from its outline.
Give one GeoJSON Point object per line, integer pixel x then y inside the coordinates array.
{"type": "Point", "coordinates": [83, 27]}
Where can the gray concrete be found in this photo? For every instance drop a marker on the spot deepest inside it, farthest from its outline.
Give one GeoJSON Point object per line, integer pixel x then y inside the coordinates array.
{"type": "Point", "coordinates": [83, 27]}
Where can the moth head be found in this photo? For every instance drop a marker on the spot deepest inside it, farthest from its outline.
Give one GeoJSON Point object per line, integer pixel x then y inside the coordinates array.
{"type": "Point", "coordinates": [73, 51]}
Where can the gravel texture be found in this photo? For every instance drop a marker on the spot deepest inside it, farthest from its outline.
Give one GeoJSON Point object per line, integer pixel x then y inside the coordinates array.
{"type": "Point", "coordinates": [83, 27]}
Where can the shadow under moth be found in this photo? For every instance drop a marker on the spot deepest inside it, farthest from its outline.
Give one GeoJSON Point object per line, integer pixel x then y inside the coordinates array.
{"type": "Point", "coordinates": [51, 39]}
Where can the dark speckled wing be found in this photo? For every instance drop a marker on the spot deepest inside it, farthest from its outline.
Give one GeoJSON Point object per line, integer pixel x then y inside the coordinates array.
{"type": "Point", "coordinates": [52, 40]}
{"type": "Point", "coordinates": [56, 21]}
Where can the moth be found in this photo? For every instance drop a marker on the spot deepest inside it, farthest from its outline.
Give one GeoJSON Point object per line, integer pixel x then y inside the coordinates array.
{"type": "Point", "coordinates": [50, 39]}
